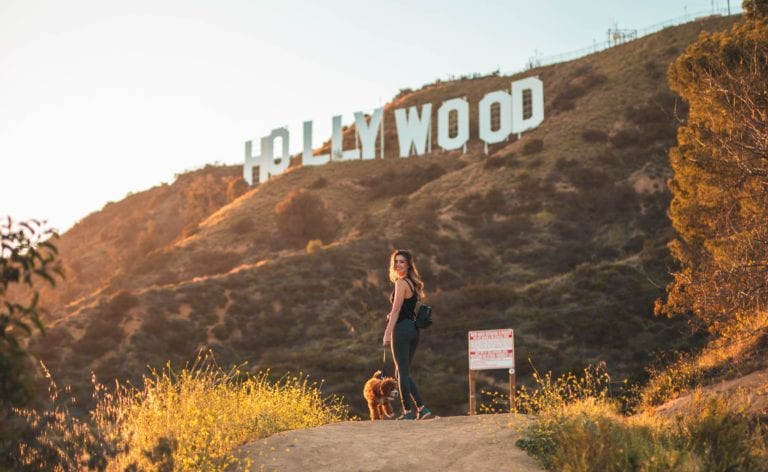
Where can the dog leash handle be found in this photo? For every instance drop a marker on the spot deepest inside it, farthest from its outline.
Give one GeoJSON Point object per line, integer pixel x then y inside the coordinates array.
{"type": "Point", "coordinates": [383, 360]}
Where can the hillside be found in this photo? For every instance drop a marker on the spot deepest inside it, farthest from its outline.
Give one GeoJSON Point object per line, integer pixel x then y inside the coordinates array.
{"type": "Point", "coordinates": [560, 235]}
{"type": "Point", "coordinates": [107, 243]}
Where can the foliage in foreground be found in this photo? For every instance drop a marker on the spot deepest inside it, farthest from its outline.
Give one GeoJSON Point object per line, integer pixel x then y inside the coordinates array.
{"type": "Point", "coordinates": [27, 255]}
{"type": "Point", "coordinates": [187, 420]}
{"type": "Point", "coordinates": [720, 182]}
{"type": "Point", "coordinates": [578, 427]}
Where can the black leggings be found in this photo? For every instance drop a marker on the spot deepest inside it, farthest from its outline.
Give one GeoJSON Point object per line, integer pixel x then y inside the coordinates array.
{"type": "Point", "coordinates": [405, 339]}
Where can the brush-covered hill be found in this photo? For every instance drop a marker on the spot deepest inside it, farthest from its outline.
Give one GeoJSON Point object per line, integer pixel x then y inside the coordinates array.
{"type": "Point", "coordinates": [560, 235]}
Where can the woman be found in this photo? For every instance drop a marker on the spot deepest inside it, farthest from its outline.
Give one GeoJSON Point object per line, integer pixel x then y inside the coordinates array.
{"type": "Point", "coordinates": [401, 330]}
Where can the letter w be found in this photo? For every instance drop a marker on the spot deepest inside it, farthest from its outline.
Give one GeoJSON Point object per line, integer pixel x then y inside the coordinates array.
{"type": "Point", "coordinates": [413, 130]}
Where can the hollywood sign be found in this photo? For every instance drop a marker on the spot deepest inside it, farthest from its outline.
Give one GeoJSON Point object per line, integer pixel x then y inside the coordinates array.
{"type": "Point", "coordinates": [414, 130]}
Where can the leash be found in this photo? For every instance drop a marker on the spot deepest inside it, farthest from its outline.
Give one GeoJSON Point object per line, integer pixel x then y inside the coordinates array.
{"type": "Point", "coordinates": [383, 361]}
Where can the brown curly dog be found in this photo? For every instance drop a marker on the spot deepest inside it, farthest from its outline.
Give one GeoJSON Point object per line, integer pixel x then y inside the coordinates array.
{"type": "Point", "coordinates": [378, 393]}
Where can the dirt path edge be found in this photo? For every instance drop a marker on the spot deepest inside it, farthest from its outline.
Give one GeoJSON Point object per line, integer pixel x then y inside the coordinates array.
{"type": "Point", "coordinates": [482, 442]}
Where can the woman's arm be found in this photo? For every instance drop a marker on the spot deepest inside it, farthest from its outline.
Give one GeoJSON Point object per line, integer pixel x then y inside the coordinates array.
{"type": "Point", "coordinates": [397, 302]}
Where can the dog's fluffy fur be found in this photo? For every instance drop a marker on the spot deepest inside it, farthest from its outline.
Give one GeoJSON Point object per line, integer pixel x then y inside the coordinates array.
{"type": "Point", "coordinates": [378, 392]}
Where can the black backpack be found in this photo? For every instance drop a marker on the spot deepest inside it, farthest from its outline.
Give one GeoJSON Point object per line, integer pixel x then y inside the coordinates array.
{"type": "Point", "coordinates": [423, 317]}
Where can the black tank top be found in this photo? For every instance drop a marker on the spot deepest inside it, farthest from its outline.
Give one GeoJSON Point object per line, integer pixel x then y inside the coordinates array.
{"type": "Point", "coordinates": [408, 308]}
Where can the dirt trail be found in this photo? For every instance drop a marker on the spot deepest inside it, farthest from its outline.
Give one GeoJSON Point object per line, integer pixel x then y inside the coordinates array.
{"type": "Point", "coordinates": [483, 442]}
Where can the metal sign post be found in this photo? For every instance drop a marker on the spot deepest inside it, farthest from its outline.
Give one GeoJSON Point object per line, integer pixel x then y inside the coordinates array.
{"type": "Point", "coordinates": [512, 390]}
{"type": "Point", "coordinates": [491, 349]}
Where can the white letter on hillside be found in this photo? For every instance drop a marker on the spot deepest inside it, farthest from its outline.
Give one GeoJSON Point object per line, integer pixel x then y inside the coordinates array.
{"type": "Point", "coordinates": [446, 142]}
{"type": "Point", "coordinates": [337, 153]}
{"type": "Point", "coordinates": [413, 131]}
{"type": "Point", "coordinates": [266, 161]}
{"type": "Point", "coordinates": [307, 158]}
{"type": "Point", "coordinates": [368, 132]}
{"type": "Point", "coordinates": [505, 117]}
{"type": "Point", "coordinates": [536, 86]}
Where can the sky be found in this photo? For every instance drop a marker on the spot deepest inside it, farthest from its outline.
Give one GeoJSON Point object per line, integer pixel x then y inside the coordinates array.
{"type": "Point", "coordinates": [102, 98]}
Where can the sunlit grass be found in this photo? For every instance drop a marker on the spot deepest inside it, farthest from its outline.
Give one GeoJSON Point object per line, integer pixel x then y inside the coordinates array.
{"type": "Point", "coordinates": [724, 357]}
{"type": "Point", "coordinates": [180, 420]}
{"type": "Point", "coordinates": [578, 427]}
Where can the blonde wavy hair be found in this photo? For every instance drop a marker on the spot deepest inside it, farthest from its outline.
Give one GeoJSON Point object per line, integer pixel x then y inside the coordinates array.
{"type": "Point", "coordinates": [413, 272]}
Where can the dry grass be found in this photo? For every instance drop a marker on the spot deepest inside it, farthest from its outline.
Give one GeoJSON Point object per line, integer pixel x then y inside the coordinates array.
{"type": "Point", "coordinates": [578, 427]}
{"type": "Point", "coordinates": [180, 420]}
{"type": "Point", "coordinates": [739, 353]}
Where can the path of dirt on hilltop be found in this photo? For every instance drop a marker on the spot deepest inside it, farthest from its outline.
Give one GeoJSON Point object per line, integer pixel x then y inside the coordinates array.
{"type": "Point", "coordinates": [473, 443]}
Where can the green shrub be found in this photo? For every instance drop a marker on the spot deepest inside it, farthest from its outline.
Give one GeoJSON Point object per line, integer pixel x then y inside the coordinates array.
{"type": "Point", "coordinates": [490, 203]}
{"type": "Point", "coordinates": [404, 182]}
{"type": "Point", "coordinates": [625, 138]}
{"type": "Point", "coordinates": [586, 177]}
{"type": "Point", "coordinates": [93, 347]}
{"type": "Point", "coordinates": [509, 230]}
{"type": "Point", "coordinates": [204, 298]}
{"type": "Point", "coordinates": [302, 216]}
{"type": "Point", "coordinates": [101, 335]}
{"type": "Point", "coordinates": [244, 225]}
{"type": "Point", "coordinates": [593, 80]}
{"type": "Point", "coordinates": [652, 70]}
{"type": "Point", "coordinates": [497, 162]}
{"type": "Point", "coordinates": [594, 136]}
{"type": "Point", "coordinates": [533, 146]}
{"type": "Point", "coordinates": [571, 91]}
{"type": "Point", "coordinates": [221, 331]}
{"type": "Point", "coordinates": [583, 81]}
{"type": "Point", "coordinates": [647, 113]}
{"type": "Point", "coordinates": [399, 201]}
{"type": "Point", "coordinates": [210, 262]}
{"type": "Point", "coordinates": [318, 183]}
{"type": "Point", "coordinates": [561, 104]}
{"type": "Point", "coordinates": [122, 301]}
{"type": "Point", "coordinates": [583, 69]}
{"type": "Point", "coordinates": [154, 322]}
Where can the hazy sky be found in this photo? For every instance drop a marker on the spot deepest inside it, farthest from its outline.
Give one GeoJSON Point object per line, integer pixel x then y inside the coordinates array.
{"type": "Point", "coordinates": [101, 98]}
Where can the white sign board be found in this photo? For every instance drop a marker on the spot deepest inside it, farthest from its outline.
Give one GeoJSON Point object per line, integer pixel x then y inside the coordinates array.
{"type": "Point", "coordinates": [491, 349]}
{"type": "Point", "coordinates": [414, 130]}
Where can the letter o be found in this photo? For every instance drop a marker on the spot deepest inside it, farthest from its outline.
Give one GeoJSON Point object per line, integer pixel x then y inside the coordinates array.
{"type": "Point", "coordinates": [462, 136]}
{"type": "Point", "coordinates": [505, 119]}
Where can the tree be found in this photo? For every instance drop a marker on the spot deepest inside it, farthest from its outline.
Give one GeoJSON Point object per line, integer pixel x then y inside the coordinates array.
{"type": "Point", "coordinates": [302, 216]}
{"type": "Point", "coordinates": [755, 9]}
{"type": "Point", "coordinates": [720, 184]}
{"type": "Point", "coordinates": [27, 255]}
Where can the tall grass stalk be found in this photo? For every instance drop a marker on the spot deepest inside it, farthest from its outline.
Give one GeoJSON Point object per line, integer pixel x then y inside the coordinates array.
{"type": "Point", "coordinates": [578, 427]}
{"type": "Point", "coordinates": [190, 419]}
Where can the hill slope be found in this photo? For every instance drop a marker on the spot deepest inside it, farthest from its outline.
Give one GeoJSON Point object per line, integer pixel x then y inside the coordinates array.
{"type": "Point", "coordinates": [560, 235]}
